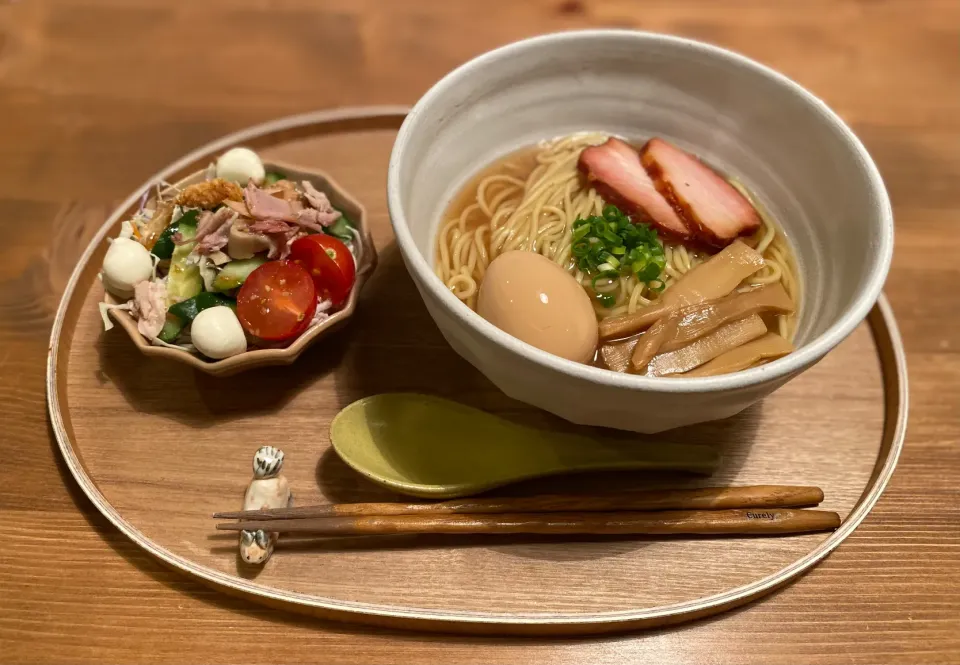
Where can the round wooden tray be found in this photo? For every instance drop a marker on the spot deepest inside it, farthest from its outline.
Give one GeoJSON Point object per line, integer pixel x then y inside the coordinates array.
{"type": "Point", "coordinates": [158, 447]}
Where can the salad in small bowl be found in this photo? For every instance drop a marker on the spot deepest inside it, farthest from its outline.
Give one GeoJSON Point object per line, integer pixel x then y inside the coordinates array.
{"type": "Point", "coordinates": [240, 265]}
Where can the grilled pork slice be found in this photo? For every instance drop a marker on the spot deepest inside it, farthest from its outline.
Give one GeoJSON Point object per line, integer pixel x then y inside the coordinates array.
{"type": "Point", "coordinates": [716, 212]}
{"type": "Point", "coordinates": [615, 171]}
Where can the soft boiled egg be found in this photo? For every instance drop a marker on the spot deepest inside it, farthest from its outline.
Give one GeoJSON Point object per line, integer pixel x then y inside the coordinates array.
{"type": "Point", "coordinates": [126, 264]}
{"type": "Point", "coordinates": [216, 332]}
{"type": "Point", "coordinates": [532, 298]}
{"type": "Point", "coordinates": [241, 165]}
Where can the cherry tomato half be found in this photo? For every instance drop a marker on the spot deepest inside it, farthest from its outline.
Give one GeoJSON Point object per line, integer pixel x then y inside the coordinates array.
{"type": "Point", "coordinates": [330, 264]}
{"type": "Point", "coordinates": [277, 301]}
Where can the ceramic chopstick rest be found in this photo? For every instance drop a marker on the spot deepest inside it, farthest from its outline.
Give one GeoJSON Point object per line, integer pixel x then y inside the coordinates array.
{"type": "Point", "coordinates": [268, 489]}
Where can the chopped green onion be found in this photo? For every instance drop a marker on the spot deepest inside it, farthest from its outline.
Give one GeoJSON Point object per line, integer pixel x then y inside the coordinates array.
{"type": "Point", "coordinates": [609, 245]}
{"type": "Point", "coordinates": [607, 275]}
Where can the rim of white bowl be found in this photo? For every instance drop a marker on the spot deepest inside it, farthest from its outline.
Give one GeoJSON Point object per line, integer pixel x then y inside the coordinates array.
{"type": "Point", "coordinates": [818, 347]}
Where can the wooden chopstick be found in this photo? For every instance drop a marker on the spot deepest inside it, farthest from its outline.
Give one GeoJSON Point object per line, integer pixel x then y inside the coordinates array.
{"type": "Point", "coordinates": [703, 522]}
{"type": "Point", "coordinates": [707, 498]}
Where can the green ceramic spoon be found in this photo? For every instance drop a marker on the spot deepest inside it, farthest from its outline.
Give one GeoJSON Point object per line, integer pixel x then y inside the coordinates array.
{"type": "Point", "coordinates": [431, 447]}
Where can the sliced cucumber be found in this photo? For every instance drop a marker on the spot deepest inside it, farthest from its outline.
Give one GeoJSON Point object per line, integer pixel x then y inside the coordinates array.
{"type": "Point", "coordinates": [272, 178]}
{"type": "Point", "coordinates": [340, 229]}
{"type": "Point", "coordinates": [171, 329]}
{"type": "Point", "coordinates": [183, 281]}
{"type": "Point", "coordinates": [236, 272]}
{"type": "Point", "coordinates": [182, 314]}
{"type": "Point", "coordinates": [163, 248]}
{"type": "Point", "coordinates": [185, 312]}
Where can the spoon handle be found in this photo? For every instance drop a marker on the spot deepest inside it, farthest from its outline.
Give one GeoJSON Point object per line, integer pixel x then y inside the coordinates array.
{"type": "Point", "coordinates": [704, 522]}
{"type": "Point", "coordinates": [573, 452]}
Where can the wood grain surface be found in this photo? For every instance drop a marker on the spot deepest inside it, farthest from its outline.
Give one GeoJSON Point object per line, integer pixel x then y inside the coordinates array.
{"type": "Point", "coordinates": [97, 94]}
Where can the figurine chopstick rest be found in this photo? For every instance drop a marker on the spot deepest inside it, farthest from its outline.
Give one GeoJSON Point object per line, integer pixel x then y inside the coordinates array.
{"type": "Point", "coordinates": [268, 489]}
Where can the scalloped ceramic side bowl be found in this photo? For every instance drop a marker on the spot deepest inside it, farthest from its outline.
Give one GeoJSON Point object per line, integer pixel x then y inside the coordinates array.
{"type": "Point", "coordinates": [273, 356]}
{"type": "Point", "coordinates": [802, 162]}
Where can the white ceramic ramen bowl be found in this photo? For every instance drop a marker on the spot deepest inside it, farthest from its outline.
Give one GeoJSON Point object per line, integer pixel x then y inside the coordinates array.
{"type": "Point", "coordinates": [792, 152]}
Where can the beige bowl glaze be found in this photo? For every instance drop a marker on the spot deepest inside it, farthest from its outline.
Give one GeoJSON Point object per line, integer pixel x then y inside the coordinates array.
{"type": "Point", "coordinates": [283, 356]}
{"type": "Point", "coordinates": [800, 159]}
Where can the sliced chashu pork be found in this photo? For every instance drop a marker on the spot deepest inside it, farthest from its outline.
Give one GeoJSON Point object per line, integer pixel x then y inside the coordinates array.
{"type": "Point", "coordinates": [710, 205]}
{"type": "Point", "coordinates": [263, 206]}
{"type": "Point", "coordinates": [615, 171]}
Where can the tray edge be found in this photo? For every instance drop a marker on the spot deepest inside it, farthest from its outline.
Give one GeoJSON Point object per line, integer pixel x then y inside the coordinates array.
{"type": "Point", "coordinates": [894, 375]}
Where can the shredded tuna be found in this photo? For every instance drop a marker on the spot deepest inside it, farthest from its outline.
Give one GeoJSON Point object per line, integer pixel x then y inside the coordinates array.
{"type": "Point", "coordinates": [264, 206]}
{"type": "Point", "coordinates": [316, 198]}
{"type": "Point", "coordinates": [269, 226]}
{"type": "Point", "coordinates": [321, 213]}
{"type": "Point", "coordinates": [213, 221]}
{"type": "Point", "coordinates": [204, 224]}
{"type": "Point", "coordinates": [150, 304]}
{"type": "Point", "coordinates": [280, 242]}
{"type": "Point", "coordinates": [216, 239]}
{"type": "Point", "coordinates": [315, 219]}
{"type": "Point", "coordinates": [279, 233]}
{"type": "Point", "coordinates": [213, 231]}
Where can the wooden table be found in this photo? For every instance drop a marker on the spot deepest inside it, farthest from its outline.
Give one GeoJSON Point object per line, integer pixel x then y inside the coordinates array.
{"type": "Point", "coordinates": [94, 94]}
